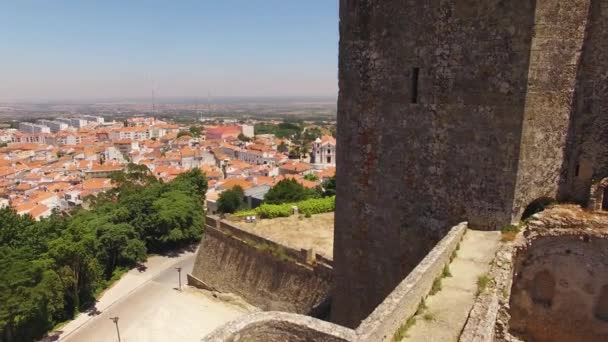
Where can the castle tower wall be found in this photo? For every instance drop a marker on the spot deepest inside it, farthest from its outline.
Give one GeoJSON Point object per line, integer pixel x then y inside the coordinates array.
{"type": "Point", "coordinates": [559, 35]}
{"type": "Point", "coordinates": [444, 108]}
{"type": "Point", "coordinates": [588, 148]}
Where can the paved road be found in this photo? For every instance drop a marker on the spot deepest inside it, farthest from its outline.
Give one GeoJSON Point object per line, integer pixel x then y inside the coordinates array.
{"type": "Point", "coordinates": [152, 309]}
{"type": "Point", "coordinates": [170, 275]}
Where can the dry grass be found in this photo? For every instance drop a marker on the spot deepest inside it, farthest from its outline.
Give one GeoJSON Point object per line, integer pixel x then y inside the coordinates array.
{"type": "Point", "coordinates": [297, 232]}
{"type": "Point", "coordinates": [509, 233]}
{"type": "Point", "coordinates": [401, 333]}
{"type": "Point", "coordinates": [482, 283]}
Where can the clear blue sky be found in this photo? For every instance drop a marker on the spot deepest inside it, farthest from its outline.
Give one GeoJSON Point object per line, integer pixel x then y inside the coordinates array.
{"type": "Point", "coordinates": [98, 49]}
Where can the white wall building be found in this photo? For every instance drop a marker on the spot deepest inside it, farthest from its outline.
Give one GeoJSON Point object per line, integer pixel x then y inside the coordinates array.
{"type": "Point", "coordinates": [248, 130]}
{"type": "Point", "coordinates": [323, 154]}
{"type": "Point", "coordinates": [55, 126]}
{"type": "Point", "coordinates": [95, 119]}
{"type": "Point", "coordinates": [27, 127]}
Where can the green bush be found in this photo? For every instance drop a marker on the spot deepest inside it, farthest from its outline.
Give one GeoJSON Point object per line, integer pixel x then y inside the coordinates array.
{"type": "Point", "coordinates": [274, 210]}
{"type": "Point", "coordinates": [317, 205]}
{"type": "Point", "coordinates": [307, 208]}
{"type": "Point", "coordinates": [244, 213]}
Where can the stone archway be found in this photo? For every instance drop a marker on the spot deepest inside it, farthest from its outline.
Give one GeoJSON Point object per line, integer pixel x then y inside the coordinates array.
{"type": "Point", "coordinates": [598, 199]}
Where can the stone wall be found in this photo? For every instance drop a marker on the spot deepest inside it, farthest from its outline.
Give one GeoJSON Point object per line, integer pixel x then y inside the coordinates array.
{"type": "Point", "coordinates": [560, 292]}
{"type": "Point", "coordinates": [550, 284]}
{"type": "Point", "coordinates": [379, 326]}
{"type": "Point", "coordinates": [403, 302]}
{"type": "Point", "coordinates": [559, 32]}
{"type": "Point", "coordinates": [280, 326]}
{"type": "Point", "coordinates": [588, 148]}
{"type": "Point", "coordinates": [267, 275]}
{"type": "Point", "coordinates": [450, 111]}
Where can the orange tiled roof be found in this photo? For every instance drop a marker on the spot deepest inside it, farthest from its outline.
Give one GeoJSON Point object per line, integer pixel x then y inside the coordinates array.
{"type": "Point", "coordinates": [97, 184]}
{"type": "Point", "coordinates": [232, 182]}
{"type": "Point", "coordinates": [38, 210]}
{"type": "Point", "coordinates": [296, 167]}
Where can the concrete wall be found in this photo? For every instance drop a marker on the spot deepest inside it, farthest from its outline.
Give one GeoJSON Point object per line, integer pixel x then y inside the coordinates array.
{"type": "Point", "coordinates": [265, 274]}
{"type": "Point", "coordinates": [484, 137]}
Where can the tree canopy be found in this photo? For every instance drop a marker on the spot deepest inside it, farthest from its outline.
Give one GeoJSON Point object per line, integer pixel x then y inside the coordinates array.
{"type": "Point", "coordinates": [230, 200]}
{"type": "Point", "coordinates": [329, 187]}
{"type": "Point", "coordinates": [288, 190]}
{"type": "Point", "coordinates": [53, 268]}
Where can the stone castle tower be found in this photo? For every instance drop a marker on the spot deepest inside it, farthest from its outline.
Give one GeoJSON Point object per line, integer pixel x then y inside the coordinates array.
{"type": "Point", "coordinates": [458, 110]}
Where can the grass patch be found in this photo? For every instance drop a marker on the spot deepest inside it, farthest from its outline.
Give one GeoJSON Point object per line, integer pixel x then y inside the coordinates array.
{"type": "Point", "coordinates": [401, 333]}
{"type": "Point", "coordinates": [429, 316]}
{"type": "Point", "coordinates": [455, 252]}
{"type": "Point", "coordinates": [278, 252]}
{"type": "Point", "coordinates": [421, 307]}
{"type": "Point", "coordinates": [509, 232]}
{"type": "Point", "coordinates": [446, 272]}
{"type": "Point", "coordinates": [436, 287]}
{"type": "Point", "coordinates": [482, 283]}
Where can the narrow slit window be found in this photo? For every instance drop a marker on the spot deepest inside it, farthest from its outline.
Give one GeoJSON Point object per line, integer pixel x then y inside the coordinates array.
{"type": "Point", "coordinates": [577, 170]}
{"type": "Point", "coordinates": [414, 85]}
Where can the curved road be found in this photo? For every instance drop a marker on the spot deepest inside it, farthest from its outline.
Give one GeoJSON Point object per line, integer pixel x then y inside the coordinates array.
{"type": "Point", "coordinates": [150, 308]}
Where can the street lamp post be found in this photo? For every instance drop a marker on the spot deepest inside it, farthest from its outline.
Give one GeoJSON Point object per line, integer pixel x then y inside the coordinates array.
{"type": "Point", "coordinates": [179, 277]}
{"type": "Point", "coordinates": [115, 320]}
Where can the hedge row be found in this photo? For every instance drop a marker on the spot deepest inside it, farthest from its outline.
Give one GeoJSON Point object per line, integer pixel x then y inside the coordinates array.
{"type": "Point", "coordinates": [306, 207]}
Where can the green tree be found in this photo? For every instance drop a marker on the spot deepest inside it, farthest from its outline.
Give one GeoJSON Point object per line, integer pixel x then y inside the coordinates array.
{"type": "Point", "coordinates": [329, 187]}
{"type": "Point", "coordinates": [193, 180]}
{"type": "Point", "coordinates": [74, 259]}
{"type": "Point", "coordinates": [184, 134]}
{"type": "Point", "coordinates": [178, 219]}
{"type": "Point", "coordinates": [119, 246]}
{"type": "Point", "coordinates": [53, 268]}
{"type": "Point", "coordinates": [282, 147]}
{"type": "Point", "coordinates": [295, 152]}
{"type": "Point", "coordinates": [311, 134]}
{"type": "Point", "coordinates": [243, 138]}
{"type": "Point", "coordinates": [31, 295]}
{"type": "Point", "coordinates": [195, 131]}
{"type": "Point", "coordinates": [230, 200]}
{"type": "Point", "coordinates": [311, 177]}
{"type": "Point", "coordinates": [288, 190]}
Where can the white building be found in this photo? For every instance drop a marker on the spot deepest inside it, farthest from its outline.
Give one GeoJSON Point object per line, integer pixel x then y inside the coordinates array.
{"type": "Point", "coordinates": [27, 127]}
{"type": "Point", "coordinates": [95, 119]}
{"type": "Point", "coordinates": [55, 126]}
{"type": "Point", "coordinates": [248, 130]}
{"type": "Point", "coordinates": [74, 122]}
{"type": "Point", "coordinates": [323, 152]}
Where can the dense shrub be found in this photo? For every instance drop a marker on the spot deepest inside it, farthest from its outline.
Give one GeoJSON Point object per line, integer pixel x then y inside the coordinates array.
{"type": "Point", "coordinates": [306, 207]}
{"type": "Point", "coordinates": [274, 210]}
{"type": "Point", "coordinates": [317, 205]}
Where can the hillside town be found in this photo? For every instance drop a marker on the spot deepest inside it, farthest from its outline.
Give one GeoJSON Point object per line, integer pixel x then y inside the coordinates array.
{"type": "Point", "coordinates": [54, 165]}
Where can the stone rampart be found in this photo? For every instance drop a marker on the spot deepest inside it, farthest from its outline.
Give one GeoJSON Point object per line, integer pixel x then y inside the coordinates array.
{"type": "Point", "coordinates": [379, 326]}
{"type": "Point", "coordinates": [280, 326]}
{"type": "Point", "coordinates": [547, 284]}
{"type": "Point", "coordinates": [403, 302]}
{"type": "Point", "coordinates": [266, 274]}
